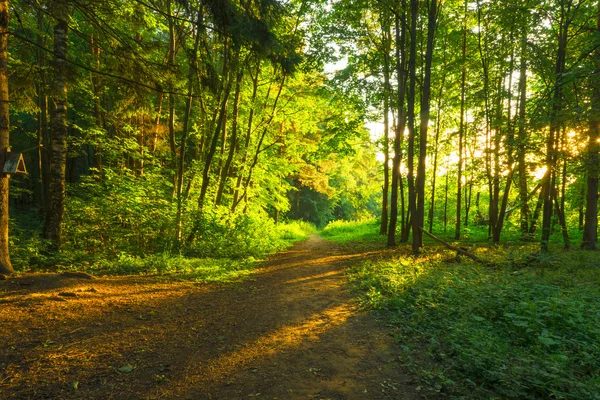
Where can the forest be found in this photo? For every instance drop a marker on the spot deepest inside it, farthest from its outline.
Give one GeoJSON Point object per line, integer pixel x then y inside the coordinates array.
{"type": "Point", "coordinates": [445, 154]}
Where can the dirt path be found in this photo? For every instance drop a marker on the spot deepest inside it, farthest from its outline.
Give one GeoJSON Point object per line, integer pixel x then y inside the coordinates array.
{"type": "Point", "coordinates": [293, 331]}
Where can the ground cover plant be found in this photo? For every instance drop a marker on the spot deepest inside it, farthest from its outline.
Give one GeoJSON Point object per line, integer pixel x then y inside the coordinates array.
{"type": "Point", "coordinates": [524, 326]}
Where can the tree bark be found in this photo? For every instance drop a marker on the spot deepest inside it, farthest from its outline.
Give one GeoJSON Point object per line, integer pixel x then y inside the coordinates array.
{"type": "Point", "coordinates": [461, 127]}
{"type": "Point", "coordinates": [554, 130]}
{"type": "Point", "coordinates": [400, 25]}
{"type": "Point", "coordinates": [522, 139]}
{"type": "Point", "coordinates": [58, 150]}
{"type": "Point", "coordinates": [192, 73]}
{"type": "Point", "coordinates": [233, 141]}
{"type": "Point", "coordinates": [386, 41]}
{"type": "Point", "coordinates": [419, 218]}
{"type": "Point", "coordinates": [590, 229]}
{"type": "Point", "coordinates": [5, 264]}
{"type": "Point", "coordinates": [410, 118]}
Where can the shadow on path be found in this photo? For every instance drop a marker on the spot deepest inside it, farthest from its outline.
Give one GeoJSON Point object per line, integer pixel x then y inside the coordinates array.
{"type": "Point", "coordinates": [292, 331]}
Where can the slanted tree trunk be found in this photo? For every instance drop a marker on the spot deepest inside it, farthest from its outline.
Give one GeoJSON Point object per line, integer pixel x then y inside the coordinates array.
{"type": "Point", "coordinates": [5, 264]}
{"type": "Point", "coordinates": [233, 139]}
{"type": "Point", "coordinates": [590, 229]}
{"type": "Point", "coordinates": [238, 184]}
{"type": "Point", "coordinates": [58, 146]}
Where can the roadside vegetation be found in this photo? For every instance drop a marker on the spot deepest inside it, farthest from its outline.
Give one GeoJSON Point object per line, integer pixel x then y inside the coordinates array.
{"type": "Point", "coordinates": [525, 326]}
{"type": "Point", "coordinates": [229, 249]}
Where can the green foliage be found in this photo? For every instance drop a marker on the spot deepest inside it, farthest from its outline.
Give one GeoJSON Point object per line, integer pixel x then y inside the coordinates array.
{"type": "Point", "coordinates": [223, 234]}
{"type": "Point", "coordinates": [119, 212]}
{"type": "Point", "coordinates": [531, 332]}
{"type": "Point", "coordinates": [352, 231]}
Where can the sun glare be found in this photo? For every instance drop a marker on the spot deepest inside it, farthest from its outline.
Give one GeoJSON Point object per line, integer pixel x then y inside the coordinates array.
{"type": "Point", "coordinates": [540, 172]}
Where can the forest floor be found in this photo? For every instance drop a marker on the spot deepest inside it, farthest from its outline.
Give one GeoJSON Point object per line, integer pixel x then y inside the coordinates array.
{"type": "Point", "coordinates": [293, 330]}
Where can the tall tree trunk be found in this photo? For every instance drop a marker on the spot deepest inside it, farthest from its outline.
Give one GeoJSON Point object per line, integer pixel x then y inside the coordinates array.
{"type": "Point", "coordinates": [233, 141]}
{"type": "Point", "coordinates": [43, 135]}
{"type": "Point", "coordinates": [238, 184]}
{"type": "Point", "coordinates": [554, 130]}
{"type": "Point", "coordinates": [400, 26]}
{"type": "Point", "coordinates": [436, 145]}
{"type": "Point", "coordinates": [522, 138]}
{"type": "Point", "coordinates": [259, 145]}
{"type": "Point", "coordinates": [96, 83]}
{"type": "Point", "coordinates": [461, 128]}
{"type": "Point", "coordinates": [219, 126]}
{"type": "Point", "coordinates": [5, 264]}
{"type": "Point", "coordinates": [590, 230]}
{"type": "Point", "coordinates": [446, 187]}
{"type": "Point", "coordinates": [58, 149]}
{"type": "Point", "coordinates": [192, 75]}
{"type": "Point", "coordinates": [419, 217]}
{"type": "Point", "coordinates": [171, 85]}
{"type": "Point", "coordinates": [410, 118]}
{"type": "Point", "coordinates": [386, 41]}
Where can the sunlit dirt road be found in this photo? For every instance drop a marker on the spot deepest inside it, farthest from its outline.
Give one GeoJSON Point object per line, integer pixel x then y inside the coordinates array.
{"type": "Point", "coordinates": [292, 331]}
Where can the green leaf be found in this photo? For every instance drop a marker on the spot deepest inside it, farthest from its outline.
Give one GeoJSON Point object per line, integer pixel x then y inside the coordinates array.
{"type": "Point", "coordinates": [547, 341]}
{"type": "Point", "coordinates": [127, 368]}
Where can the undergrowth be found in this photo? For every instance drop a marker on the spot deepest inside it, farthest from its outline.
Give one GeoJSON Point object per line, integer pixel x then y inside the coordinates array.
{"type": "Point", "coordinates": [352, 231]}
{"type": "Point", "coordinates": [226, 248]}
{"type": "Point", "coordinates": [527, 329]}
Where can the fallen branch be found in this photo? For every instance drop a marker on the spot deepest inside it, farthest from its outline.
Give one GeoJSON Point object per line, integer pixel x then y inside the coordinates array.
{"type": "Point", "coordinates": [454, 248]}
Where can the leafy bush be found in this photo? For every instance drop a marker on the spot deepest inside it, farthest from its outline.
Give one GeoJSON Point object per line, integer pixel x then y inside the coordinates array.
{"type": "Point", "coordinates": [524, 333]}
{"type": "Point", "coordinates": [222, 234]}
{"type": "Point", "coordinates": [120, 212]}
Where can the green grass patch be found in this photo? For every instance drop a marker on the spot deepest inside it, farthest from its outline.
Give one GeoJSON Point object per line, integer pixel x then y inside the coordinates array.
{"type": "Point", "coordinates": [232, 255]}
{"type": "Point", "coordinates": [353, 231]}
{"type": "Point", "coordinates": [526, 329]}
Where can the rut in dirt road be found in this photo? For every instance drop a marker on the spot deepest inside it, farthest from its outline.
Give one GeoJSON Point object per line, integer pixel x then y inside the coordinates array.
{"type": "Point", "coordinates": [291, 331]}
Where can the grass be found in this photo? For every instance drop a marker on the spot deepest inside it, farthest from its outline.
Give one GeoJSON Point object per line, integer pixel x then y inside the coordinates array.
{"type": "Point", "coordinates": [345, 232]}
{"type": "Point", "coordinates": [527, 328]}
{"type": "Point", "coordinates": [223, 266]}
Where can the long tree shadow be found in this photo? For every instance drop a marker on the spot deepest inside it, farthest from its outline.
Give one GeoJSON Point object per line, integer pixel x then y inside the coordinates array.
{"type": "Point", "coordinates": [291, 331]}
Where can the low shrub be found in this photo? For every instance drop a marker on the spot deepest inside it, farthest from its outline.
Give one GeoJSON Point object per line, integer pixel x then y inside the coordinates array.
{"type": "Point", "coordinates": [526, 333]}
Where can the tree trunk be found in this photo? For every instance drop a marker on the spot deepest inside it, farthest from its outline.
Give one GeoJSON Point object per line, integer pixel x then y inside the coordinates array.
{"type": "Point", "coordinates": [400, 25]}
{"type": "Point", "coordinates": [555, 123]}
{"type": "Point", "coordinates": [238, 184]}
{"type": "Point", "coordinates": [58, 149]}
{"type": "Point", "coordinates": [43, 135]}
{"type": "Point", "coordinates": [193, 67]}
{"type": "Point", "coordinates": [419, 225]}
{"type": "Point", "coordinates": [410, 118]}
{"type": "Point", "coordinates": [386, 42]}
{"type": "Point", "coordinates": [5, 264]}
{"type": "Point", "coordinates": [233, 140]}
{"type": "Point", "coordinates": [436, 145]}
{"type": "Point", "coordinates": [590, 230]}
{"type": "Point", "coordinates": [522, 139]}
{"type": "Point", "coordinates": [171, 85]}
{"type": "Point", "coordinates": [461, 127]}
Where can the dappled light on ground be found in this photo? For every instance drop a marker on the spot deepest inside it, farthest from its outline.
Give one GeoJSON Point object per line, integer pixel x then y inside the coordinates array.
{"type": "Point", "coordinates": [292, 330]}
